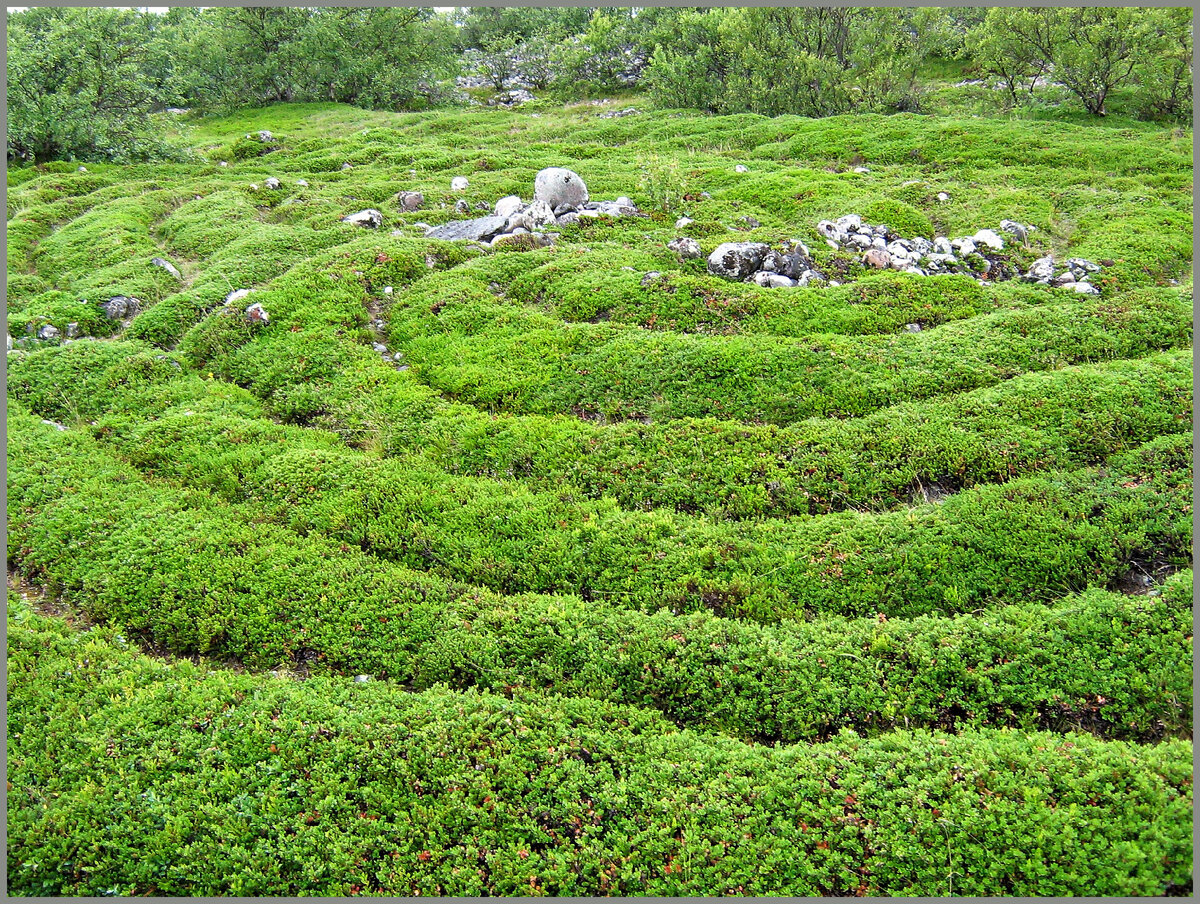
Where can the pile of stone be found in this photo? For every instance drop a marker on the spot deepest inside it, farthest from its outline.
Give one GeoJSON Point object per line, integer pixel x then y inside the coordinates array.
{"type": "Point", "coordinates": [972, 255]}
{"type": "Point", "coordinates": [882, 248]}
{"type": "Point", "coordinates": [559, 197]}
{"type": "Point", "coordinates": [1075, 274]}
{"type": "Point", "coordinates": [790, 265]}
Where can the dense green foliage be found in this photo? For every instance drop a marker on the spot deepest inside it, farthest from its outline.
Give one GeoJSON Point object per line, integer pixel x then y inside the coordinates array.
{"type": "Point", "coordinates": [82, 83]}
{"type": "Point", "coordinates": [231, 784]}
{"type": "Point", "coordinates": [656, 583]}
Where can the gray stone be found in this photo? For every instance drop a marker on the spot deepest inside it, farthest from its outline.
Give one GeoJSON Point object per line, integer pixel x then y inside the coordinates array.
{"type": "Point", "coordinates": [773, 262]}
{"type": "Point", "coordinates": [1086, 288]}
{"type": "Point", "coordinates": [410, 200]}
{"type": "Point", "coordinates": [236, 295]}
{"type": "Point", "coordinates": [264, 136]}
{"type": "Point", "coordinates": [49, 331]}
{"type": "Point", "coordinates": [749, 222]}
{"type": "Point", "coordinates": [83, 169]}
{"type": "Point", "coordinates": [741, 169]}
{"type": "Point", "coordinates": [1041, 269]}
{"type": "Point", "coordinates": [687, 248]}
{"type": "Point", "coordinates": [737, 260]}
{"type": "Point", "coordinates": [773, 280]}
{"type": "Point", "coordinates": [877, 258]}
{"type": "Point", "coordinates": [941, 245]}
{"type": "Point", "coordinates": [942, 196]}
{"type": "Point", "coordinates": [540, 213]}
{"type": "Point", "coordinates": [556, 185]}
{"type": "Point", "coordinates": [849, 222]}
{"type": "Point", "coordinates": [1063, 279]}
{"type": "Point", "coordinates": [477, 230]}
{"type": "Point", "coordinates": [989, 238]}
{"type": "Point", "coordinates": [301, 183]}
{"type": "Point", "coordinates": [861, 170]}
{"type": "Point", "coordinates": [506, 207]}
{"type": "Point", "coordinates": [650, 277]}
{"type": "Point", "coordinates": [459, 183]}
{"type": "Point", "coordinates": [913, 327]}
{"type": "Point", "coordinates": [256, 313]}
{"type": "Point", "coordinates": [166, 265]}
{"type": "Point", "coordinates": [368, 219]}
{"type": "Point", "coordinates": [346, 166]}
{"type": "Point", "coordinates": [1016, 230]}
{"type": "Point", "coordinates": [379, 347]}
{"type": "Point", "coordinates": [120, 306]}
{"type": "Point", "coordinates": [683, 221]}
{"type": "Point", "coordinates": [272, 183]}
{"type": "Point", "coordinates": [461, 206]}
{"type": "Point", "coordinates": [964, 245]}
{"type": "Point", "coordinates": [1078, 263]}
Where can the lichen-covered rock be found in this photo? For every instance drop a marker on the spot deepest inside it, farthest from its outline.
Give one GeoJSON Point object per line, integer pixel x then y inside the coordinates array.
{"type": "Point", "coordinates": [459, 183]}
{"type": "Point", "coordinates": [272, 183]}
{"type": "Point", "coordinates": [737, 260]}
{"type": "Point", "coordinates": [256, 313]}
{"type": "Point", "coordinates": [120, 306]}
{"type": "Point", "coordinates": [687, 248]}
{"type": "Point", "coordinates": [49, 331]}
{"type": "Point", "coordinates": [1041, 270]}
{"type": "Point", "coordinates": [556, 185]}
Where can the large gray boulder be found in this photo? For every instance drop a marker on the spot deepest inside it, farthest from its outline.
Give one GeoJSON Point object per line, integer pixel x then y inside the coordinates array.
{"type": "Point", "coordinates": [477, 230]}
{"type": "Point", "coordinates": [737, 260]}
{"type": "Point", "coordinates": [557, 186]}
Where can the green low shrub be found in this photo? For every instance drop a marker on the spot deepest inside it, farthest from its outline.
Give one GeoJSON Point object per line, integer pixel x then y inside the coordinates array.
{"type": "Point", "coordinates": [130, 775]}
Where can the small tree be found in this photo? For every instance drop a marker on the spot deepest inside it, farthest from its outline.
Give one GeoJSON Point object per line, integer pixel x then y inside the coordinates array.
{"type": "Point", "coordinates": [1164, 76]}
{"type": "Point", "coordinates": [497, 61]}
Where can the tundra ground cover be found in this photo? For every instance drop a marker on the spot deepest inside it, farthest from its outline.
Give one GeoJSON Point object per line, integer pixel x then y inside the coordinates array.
{"type": "Point", "coordinates": [684, 565]}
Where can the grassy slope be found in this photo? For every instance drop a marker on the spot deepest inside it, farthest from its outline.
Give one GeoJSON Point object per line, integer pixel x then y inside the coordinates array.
{"type": "Point", "coordinates": [703, 500]}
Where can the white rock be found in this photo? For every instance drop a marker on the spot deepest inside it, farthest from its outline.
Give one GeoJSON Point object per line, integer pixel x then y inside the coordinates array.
{"type": "Point", "coordinates": [942, 245]}
{"type": "Point", "coordinates": [368, 219]}
{"type": "Point", "coordinates": [1086, 288]}
{"type": "Point", "coordinates": [832, 244]}
{"type": "Point", "coordinates": [346, 166]}
{"type": "Point", "coordinates": [253, 186]}
{"type": "Point", "coordinates": [741, 169]}
{"type": "Point", "coordinates": [942, 196]}
{"type": "Point", "coordinates": [989, 238]}
{"type": "Point", "coordinates": [256, 313]}
{"type": "Point", "coordinates": [557, 186]}
{"type": "Point", "coordinates": [687, 248]}
{"type": "Point", "coordinates": [387, 290]}
{"type": "Point", "coordinates": [965, 245]}
{"type": "Point", "coordinates": [83, 169]}
{"type": "Point", "coordinates": [224, 163]}
{"type": "Point", "coordinates": [1041, 269]}
{"type": "Point", "coordinates": [861, 169]}
{"type": "Point", "coordinates": [459, 183]}
{"type": "Point", "coordinates": [773, 280]}
{"type": "Point", "coordinates": [540, 213]}
{"type": "Point", "coordinates": [849, 222]}
{"type": "Point", "coordinates": [506, 207]}
{"type": "Point", "coordinates": [302, 183]}
{"type": "Point", "coordinates": [683, 221]}
{"type": "Point", "coordinates": [236, 295]}
{"type": "Point", "coordinates": [272, 183]}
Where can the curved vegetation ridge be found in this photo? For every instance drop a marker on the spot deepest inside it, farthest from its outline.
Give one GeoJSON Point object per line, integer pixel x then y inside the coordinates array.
{"type": "Point", "coordinates": [578, 570]}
